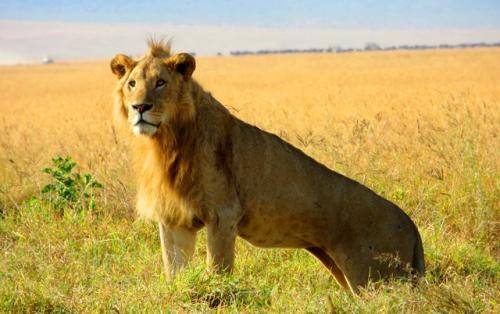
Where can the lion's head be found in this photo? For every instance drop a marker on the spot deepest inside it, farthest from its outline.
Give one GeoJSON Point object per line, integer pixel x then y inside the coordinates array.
{"type": "Point", "coordinates": [152, 90]}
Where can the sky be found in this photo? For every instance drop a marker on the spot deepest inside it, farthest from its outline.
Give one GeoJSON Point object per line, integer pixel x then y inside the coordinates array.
{"type": "Point", "coordinates": [69, 30]}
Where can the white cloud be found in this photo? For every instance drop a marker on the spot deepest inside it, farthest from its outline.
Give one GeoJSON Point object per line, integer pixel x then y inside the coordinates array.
{"type": "Point", "coordinates": [23, 41]}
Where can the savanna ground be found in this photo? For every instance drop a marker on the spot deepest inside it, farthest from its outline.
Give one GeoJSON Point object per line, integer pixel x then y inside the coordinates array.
{"type": "Point", "coordinates": [419, 128]}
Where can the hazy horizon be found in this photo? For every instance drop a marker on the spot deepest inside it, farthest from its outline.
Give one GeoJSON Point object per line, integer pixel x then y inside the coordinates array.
{"type": "Point", "coordinates": [65, 30]}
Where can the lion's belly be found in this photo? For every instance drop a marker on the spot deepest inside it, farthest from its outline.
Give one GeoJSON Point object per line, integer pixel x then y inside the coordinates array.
{"type": "Point", "coordinates": [270, 239]}
{"type": "Point", "coordinates": [273, 231]}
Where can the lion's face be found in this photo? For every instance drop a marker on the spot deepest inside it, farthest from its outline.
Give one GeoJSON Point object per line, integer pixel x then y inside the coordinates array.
{"type": "Point", "coordinates": [150, 89]}
{"type": "Point", "coordinates": [146, 94]}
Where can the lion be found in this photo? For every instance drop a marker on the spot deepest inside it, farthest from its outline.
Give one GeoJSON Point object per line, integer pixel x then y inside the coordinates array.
{"type": "Point", "coordinates": [198, 166]}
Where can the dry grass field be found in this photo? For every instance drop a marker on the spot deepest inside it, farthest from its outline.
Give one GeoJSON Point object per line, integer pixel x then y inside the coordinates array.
{"type": "Point", "coordinates": [420, 128]}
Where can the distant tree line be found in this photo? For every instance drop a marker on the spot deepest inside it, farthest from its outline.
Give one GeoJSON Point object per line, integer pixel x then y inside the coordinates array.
{"type": "Point", "coordinates": [371, 46]}
{"type": "Point", "coordinates": [281, 51]}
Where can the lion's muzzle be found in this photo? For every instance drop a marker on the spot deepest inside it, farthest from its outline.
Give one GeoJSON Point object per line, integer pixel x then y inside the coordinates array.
{"type": "Point", "coordinates": [143, 123]}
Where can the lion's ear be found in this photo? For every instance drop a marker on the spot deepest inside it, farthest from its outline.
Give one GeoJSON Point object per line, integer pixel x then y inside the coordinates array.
{"type": "Point", "coordinates": [120, 64]}
{"type": "Point", "coordinates": [183, 63]}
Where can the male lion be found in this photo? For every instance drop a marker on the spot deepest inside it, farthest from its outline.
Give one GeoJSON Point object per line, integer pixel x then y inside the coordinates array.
{"type": "Point", "coordinates": [198, 165]}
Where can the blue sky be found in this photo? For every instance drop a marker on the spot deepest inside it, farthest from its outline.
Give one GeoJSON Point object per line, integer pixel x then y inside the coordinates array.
{"type": "Point", "coordinates": [280, 13]}
{"type": "Point", "coordinates": [70, 30]}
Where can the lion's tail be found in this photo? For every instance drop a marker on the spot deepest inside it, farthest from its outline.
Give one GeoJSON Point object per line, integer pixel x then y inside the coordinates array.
{"type": "Point", "coordinates": [418, 263]}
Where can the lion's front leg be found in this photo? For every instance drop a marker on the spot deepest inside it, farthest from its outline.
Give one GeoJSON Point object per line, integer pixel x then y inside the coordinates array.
{"type": "Point", "coordinates": [221, 237]}
{"type": "Point", "coordinates": [177, 245]}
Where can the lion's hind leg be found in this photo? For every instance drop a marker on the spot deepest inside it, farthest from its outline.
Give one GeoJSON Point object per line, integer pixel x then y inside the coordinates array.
{"type": "Point", "coordinates": [329, 263]}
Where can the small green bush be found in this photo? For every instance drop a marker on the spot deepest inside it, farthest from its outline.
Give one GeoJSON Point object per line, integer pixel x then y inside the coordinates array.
{"type": "Point", "coordinates": [70, 189]}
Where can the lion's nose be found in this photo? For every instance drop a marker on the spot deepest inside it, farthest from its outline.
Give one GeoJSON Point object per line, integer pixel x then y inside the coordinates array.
{"type": "Point", "coordinates": [142, 107]}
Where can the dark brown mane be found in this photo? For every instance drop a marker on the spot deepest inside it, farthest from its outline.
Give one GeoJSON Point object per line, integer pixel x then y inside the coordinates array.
{"type": "Point", "coordinates": [178, 149]}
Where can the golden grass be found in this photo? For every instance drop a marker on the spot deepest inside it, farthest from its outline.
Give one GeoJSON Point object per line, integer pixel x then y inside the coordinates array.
{"type": "Point", "coordinates": [420, 128]}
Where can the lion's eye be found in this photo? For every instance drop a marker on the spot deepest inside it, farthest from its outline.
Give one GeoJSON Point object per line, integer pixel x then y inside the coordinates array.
{"type": "Point", "coordinates": [131, 83]}
{"type": "Point", "coordinates": [160, 82]}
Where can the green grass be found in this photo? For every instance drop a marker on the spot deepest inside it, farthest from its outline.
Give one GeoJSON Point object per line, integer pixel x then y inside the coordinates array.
{"type": "Point", "coordinates": [83, 262]}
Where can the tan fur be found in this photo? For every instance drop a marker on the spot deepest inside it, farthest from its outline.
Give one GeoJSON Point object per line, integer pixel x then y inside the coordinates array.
{"type": "Point", "coordinates": [198, 165]}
